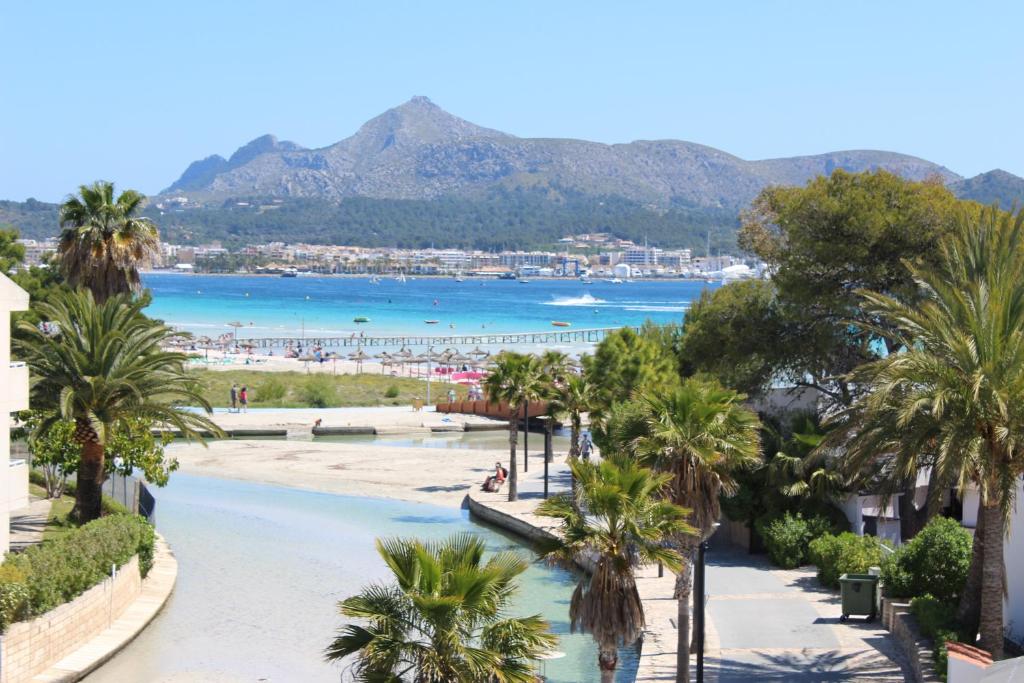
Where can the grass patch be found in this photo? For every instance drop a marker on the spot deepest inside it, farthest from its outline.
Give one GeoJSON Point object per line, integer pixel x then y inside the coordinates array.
{"type": "Point", "coordinates": [57, 524]}
{"type": "Point", "coordinates": [317, 390]}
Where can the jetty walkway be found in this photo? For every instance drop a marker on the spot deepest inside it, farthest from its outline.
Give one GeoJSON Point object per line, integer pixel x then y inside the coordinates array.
{"type": "Point", "coordinates": [559, 336]}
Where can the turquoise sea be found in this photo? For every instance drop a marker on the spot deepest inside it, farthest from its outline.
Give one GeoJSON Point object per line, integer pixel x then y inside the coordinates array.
{"type": "Point", "coordinates": [326, 306]}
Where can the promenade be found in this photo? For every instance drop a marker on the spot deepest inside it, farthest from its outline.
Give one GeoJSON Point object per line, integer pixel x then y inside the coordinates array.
{"type": "Point", "coordinates": [764, 623]}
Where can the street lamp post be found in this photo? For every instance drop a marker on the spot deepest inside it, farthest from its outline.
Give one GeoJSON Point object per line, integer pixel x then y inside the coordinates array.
{"type": "Point", "coordinates": [701, 593]}
{"type": "Point", "coordinates": [547, 453]}
{"type": "Point", "coordinates": [526, 435]}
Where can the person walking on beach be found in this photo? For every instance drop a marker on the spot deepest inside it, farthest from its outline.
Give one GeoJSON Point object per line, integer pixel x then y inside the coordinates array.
{"type": "Point", "coordinates": [234, 399]}
{"type": "Point", "coordinates": [586, 447]}
{"type": "Point", "coordinates": [243, 399]}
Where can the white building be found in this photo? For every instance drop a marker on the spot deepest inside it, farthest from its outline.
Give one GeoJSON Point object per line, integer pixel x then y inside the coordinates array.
{"type": "Point", "coordinates": [14, 380]}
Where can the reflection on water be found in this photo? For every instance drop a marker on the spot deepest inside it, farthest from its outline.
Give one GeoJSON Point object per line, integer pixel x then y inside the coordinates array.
{"type": "Point", "coordinates": [261, 569]}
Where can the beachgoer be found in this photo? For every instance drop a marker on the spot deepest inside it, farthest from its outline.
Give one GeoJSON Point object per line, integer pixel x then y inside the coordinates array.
{"type": "Point", "coordinates": [451, 396]}
{"type": "Point", "coordinates": [586, 447]}
{"type": "Point", "coordinates": [243, 399]}
{"type": "Point", "coordinates": [493, 482]}
{"type": "Point", "coordinates": [234, 397]}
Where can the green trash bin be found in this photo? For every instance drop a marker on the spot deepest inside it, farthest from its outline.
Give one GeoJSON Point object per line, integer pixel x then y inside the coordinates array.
{"type": "Point", "coordinates": [858, 592]}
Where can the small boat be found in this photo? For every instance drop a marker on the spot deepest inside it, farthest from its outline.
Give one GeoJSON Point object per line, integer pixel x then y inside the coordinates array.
{"type": "Point", "coordinates": [360, 319]}
{"type": "Point", "coordinates": [431, 322]}
{"type": "Point", "coordinates": [374, 280]}
{"type": "Point", "coordinates": [289, 272]}
{"type": "Point", "coordinates": [586, 281]}
{"type": "Point", "coordinates": [524, 281]}
{"type": "Point", "coordinates": [560, 323]}
{"type": "Point", "coordinates": [615, 281]}
{"type": "Point", "coordinates": [459, 278]}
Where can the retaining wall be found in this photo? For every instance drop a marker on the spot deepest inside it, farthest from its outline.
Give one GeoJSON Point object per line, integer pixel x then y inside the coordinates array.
{"type": "Point", "coordinates": [30, 647]}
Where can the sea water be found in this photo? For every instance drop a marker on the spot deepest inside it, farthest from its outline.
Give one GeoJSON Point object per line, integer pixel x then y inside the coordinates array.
{"type": "Point", "coordinates": [261, 569]}
{"type": "Point", "coordinates": [270, 306]}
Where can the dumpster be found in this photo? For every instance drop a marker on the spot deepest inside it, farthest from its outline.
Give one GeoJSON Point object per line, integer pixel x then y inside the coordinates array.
{"type": "Point", "coordinates": [858, 592]}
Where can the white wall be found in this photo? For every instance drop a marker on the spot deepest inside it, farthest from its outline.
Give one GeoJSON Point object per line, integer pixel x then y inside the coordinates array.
{"type": "Point", "coordinates": [1013, 555]}
{"type": "Point", "coordinates": [12, 298]}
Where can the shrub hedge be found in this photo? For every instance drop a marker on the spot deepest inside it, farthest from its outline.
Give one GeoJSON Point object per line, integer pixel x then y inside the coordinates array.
{"type": "Point", "coordinates": [846, 553]}
{"type": "Point", "coordinates": [937, 620]}
{"type": "Point", "coordinates": [787, 538]}
{"type": "Point", "coordinates": [48, 575]}
{"type": "Point", "coordinates": [935, 561]}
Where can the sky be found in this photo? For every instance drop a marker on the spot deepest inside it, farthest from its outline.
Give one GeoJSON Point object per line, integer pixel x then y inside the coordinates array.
{"type": "Point", "coordinates": [134, 91]}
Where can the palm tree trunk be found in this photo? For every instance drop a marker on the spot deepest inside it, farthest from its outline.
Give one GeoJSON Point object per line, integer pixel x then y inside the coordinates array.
{"type": "Point", "coordinates": [89, 493]}
{"type": "Point", "coordinates": [684, 588]}
{"type": "Point", "coordinates": [608, 661]}
{"type": "Point", "coordinates": [513, 470]}
{"type": "Point", "coordinates": [991, 621]}
{"type": "Point", "coordinates": [968, 612]}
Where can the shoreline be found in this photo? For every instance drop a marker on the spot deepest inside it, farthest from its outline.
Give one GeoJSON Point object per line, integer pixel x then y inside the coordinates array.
{"type": "Point", "coordinates": [468, 278]}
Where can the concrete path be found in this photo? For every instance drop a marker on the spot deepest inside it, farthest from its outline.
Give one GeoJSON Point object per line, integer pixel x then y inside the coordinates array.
{"type": "Point", "coordinates": [768, 624]}
{"type": "Point", "coordinates": [28, 523]}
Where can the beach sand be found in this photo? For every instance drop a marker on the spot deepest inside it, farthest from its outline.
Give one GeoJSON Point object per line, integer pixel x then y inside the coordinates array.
{"type": "Point", "coordinates": [429, 475]}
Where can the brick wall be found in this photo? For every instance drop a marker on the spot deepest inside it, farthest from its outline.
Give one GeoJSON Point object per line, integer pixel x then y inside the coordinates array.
{"type": "Point", "coordinates": [30, 647]}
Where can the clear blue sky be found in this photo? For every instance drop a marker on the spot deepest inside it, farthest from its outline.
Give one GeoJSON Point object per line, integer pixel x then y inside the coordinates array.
{"type": "Point", "coordinates": [134, 91]}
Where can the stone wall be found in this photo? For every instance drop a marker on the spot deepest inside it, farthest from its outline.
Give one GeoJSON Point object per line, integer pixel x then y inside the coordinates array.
{"type": "Point", "coordinates": [918, 650]}
{"type": "Point", "coordinates": [30, 647]}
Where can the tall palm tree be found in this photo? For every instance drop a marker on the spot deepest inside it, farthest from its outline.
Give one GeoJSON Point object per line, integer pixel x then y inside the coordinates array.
{"type": "Point", "coordinates": [573, 397]}
{"type": "Point", "coordinates": [103, 368]}
{"type": "Point", "coordinates": [442, 619]}
{"type": "Point", "coordinates": [516, 379]}
{"type": "Point", "coordinates": [555, 366]}
{"type": "Point", "coordinates": [620, 518]}
{"type": "Point", "coordinates": [702, 435]}
{"type": "Point", "coordinates": [952, 397]}
{"type": "Point", "coordinates": [103, 241]}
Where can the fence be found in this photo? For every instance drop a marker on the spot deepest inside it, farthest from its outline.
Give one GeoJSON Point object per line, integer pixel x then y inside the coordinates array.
{"type": "Point", "coordinates": [132, 493]}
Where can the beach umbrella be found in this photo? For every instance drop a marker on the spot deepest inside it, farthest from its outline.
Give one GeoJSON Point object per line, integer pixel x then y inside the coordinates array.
{"type": "Point", "coordinates": [385, 359]}
{"type": "Point", "coordinates": [235, 324]}
{"type": "Point", "coordinates": [479, 353]}
{"type": "Point", "coordinates": [359, 356]}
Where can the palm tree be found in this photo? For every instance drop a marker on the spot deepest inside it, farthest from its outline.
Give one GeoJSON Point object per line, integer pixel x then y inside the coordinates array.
{"type": "Point", "coordinates": [103, 240]}
{"type": "Point", "coordinates": [952, 397]}
{"type": "Point", "coordinates": [555, 366]}
{"type": "Point", "coordinates": [102, 369]}
{"type": "Point", "coordinates": [701, 434]}
{"type": "Point", "coordinates": [443, 619]}
{"type": "Point", "coordinates": [624, 523]}
{"type": "Point", "coordinates": [808, 470]}
{"type": "Point", "coordinates": [573, 397]}
{"type": "Point", "coordinates": [516, 379]}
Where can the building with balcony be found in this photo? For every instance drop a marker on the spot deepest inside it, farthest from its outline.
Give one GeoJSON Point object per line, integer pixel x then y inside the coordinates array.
{"type": "Point", "coordinates": [14, 379]}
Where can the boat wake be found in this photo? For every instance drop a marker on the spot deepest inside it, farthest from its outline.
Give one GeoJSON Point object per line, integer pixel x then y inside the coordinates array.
{"type": "Point", "coordinates": [585, 300]}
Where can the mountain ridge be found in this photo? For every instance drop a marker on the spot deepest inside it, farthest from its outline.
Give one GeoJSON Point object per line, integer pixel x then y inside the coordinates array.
{"type": "Point", "coordinates": [418, 150]}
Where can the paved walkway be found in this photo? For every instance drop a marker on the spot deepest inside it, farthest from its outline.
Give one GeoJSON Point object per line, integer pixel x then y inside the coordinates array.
{"type": "Point", "coordinates": [28, 523]}
{"type": "Point", "coordinates": [768, 624]}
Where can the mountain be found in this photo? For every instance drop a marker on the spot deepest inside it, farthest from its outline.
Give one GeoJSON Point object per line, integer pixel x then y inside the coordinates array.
{"type": "Point", "coordinates": [418, 151]}
{"type": "Point", "coordinates": [996, 186]}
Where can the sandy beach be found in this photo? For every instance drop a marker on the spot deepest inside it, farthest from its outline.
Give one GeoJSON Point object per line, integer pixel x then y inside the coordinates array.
{"type": "Point", "coordinates": [430, 475]}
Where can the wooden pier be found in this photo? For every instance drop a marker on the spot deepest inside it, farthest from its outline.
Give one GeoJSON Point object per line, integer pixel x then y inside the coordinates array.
{"type": "Point", "coordinates": [563, 336]}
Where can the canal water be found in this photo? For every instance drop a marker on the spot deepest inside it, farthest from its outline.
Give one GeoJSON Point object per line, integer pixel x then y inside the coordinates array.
{"type": "Point", "coordinates": [261, 569]}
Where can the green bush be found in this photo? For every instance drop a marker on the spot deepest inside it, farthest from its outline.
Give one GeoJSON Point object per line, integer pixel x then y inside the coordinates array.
{"type": "Point", "coordinates": [846, 553]}
{"type": "Point", "coordinates": [270, 389]}
{"type": "Point", "coordinates": [318, 392]}
{"type": "Point", "coordinates": [787, 538]}
{"type": "Point", "coordinates": [935, 561]}
{"type": "Point", "coordinates": [61, 569]}
{"type": "Point", "coordinates": [937, 620]}
{"type": "Point", "coordinates": [391, 392]}
{"type": "Point", "coordinates": [14, 596]}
